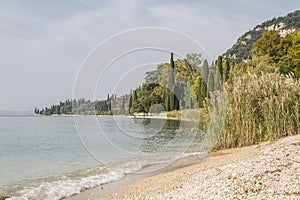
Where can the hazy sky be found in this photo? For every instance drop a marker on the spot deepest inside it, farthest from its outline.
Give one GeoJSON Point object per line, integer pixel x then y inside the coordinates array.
{"type": "Point", "coordinates": [43, 43]}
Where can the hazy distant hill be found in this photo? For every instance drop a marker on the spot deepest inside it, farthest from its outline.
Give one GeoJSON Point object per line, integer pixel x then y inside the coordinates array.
{"type": "Point", "coordinates": [241, 50]}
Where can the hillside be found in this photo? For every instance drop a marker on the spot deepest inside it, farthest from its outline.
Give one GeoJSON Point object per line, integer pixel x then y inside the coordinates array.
{"type": "Point", "coordinates": [241, 50]}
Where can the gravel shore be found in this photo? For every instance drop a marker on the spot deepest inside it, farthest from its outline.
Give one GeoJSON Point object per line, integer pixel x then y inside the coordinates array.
{"type": "Point", "coordinates": [267, 171]}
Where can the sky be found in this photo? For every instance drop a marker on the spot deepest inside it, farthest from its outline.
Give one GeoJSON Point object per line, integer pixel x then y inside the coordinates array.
{"type": "Point", "coordinates": [43, 43]}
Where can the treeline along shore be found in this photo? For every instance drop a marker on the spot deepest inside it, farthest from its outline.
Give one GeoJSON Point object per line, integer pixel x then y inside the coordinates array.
{"type": "Point", "coordinates": [262, 93]}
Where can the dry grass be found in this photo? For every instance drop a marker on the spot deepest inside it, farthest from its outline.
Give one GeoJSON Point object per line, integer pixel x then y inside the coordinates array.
{"type": "Point", "coordinates": [260, 108]}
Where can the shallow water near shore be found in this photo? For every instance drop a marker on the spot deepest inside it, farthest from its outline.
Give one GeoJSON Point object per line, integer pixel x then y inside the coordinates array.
{"type": "Point", "coordinates": [55, 157]}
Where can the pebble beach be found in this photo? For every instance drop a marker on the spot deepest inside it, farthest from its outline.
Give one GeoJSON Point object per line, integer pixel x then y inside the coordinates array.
{"type": "Point", "coordinates": [270, 170]}
{"type": "Point", "coordinates": [267, 171]}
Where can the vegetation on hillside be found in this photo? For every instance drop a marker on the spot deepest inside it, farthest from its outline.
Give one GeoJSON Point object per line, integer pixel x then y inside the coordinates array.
{"type": "Point", "coordinates": [241, 50]}
{"type": "Point", "coordinates": [280, 52]}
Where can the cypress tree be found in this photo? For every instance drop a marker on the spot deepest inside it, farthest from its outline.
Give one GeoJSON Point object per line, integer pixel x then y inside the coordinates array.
{"type": "Point", "coordinates": [212, 65]}
{"type": "Point", "coordinates": [226, 71]}
{"type": "Point", "coordinates": [204, 90]}
{"type": "Point", "coordinates": [130, 102]}
{"type": "Point", "coordinates": [109, 106]}
{"type": "Point", "coordinates": [210, 82]}
{"type": "Point", "coordinates": [123, 103]}
{"type": "Point", "coordinates": [205, 70]}
{"type": "Point", "coordinates": [220, 66]}
{"type": "Point", "coordinates": [202, 93]}
{"type": "Point", "coordinates": [218, 81]}
{"type": "Point", "coordinates": [134, 101]}
{"type": "Point", "coordinates": [135, 96]}
{"type": "Point", "coordinates": [171, 84]}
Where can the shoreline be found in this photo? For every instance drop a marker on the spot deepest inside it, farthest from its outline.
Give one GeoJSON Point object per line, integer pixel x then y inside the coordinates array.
{"type": "Point", "coordinates": [259, 171]}
{"type": "Point", "coordinates": [165, 117]}
{"type": "Point", "coordinates": [111, 188]}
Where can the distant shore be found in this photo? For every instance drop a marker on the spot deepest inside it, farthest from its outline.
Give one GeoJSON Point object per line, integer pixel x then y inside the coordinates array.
{"type": "Point", "coordinates": [138, 115]}
{"type": "Point", "coordinates": [188, 115]}
{"type": "Point", "coordinates": [266, 171]}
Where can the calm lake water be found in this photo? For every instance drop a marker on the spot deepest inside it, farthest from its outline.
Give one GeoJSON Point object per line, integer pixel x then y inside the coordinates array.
{"type": "Point", "coordinates": [55, 157]}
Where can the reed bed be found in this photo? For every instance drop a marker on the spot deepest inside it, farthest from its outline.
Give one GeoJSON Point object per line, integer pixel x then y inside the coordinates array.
{"type": "Point", "coordinates": [259, 108]}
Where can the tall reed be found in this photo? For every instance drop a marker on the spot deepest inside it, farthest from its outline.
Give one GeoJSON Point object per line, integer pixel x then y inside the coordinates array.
{"type": "Point", "coordinates": [260, 108]}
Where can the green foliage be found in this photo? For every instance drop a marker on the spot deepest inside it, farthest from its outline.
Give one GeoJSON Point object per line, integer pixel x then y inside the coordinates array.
{"type": "Point", "coordinates": [267, 45]}
{"type": "Point", "coordinates": [123, 103]}
{"type": "Point", "coordinates": [226, 70]}
{"type": "Point", "coordinates": [241, 50]}
{"type": "Point", "coordinates": [220, 66]}
{"type": "Point", "coordinates": [192, 62]}
{"type": "Point", "coordinates": [199, 89]}
{"type": "Point", "coordinates": [281, 53]}
{"type": "Point", "coordinates": [171, 86]}
{"type": "Point", "coordinates": [205, 70]}
{"type": "Point", "coordinates": [136, 107]}
{"type": "Point", "coordinates": [130, 102]}
{"type": "Point", "coordinates": [211, 82]}
{"type": "Point", "coordinates": [218, 81]}
{"type": "Point", "coordinates": [80, 107]}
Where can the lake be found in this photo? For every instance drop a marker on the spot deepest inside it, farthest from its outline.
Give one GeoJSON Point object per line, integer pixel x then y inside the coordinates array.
{"type": "Point", "coordinates": [56, 156]}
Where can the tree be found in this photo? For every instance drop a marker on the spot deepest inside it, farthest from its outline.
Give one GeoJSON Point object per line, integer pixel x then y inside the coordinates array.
{"type": "Point", "coordinates": [226, 70]}
{"type": "Point", "coordinates": [282, 53]}
{"type": "Point", "coordinates": [109, 106]}
{"type": "Point", "coordinates": [123, 103]}
{"type": "Point", "coordinates": [135, 102]}
{"type": "Point", "coordinates": [192, 63]}
{"type": "Point", "coordinates": [213, 65]}
{"type": "Point", "coordinates": [57, 109]}
{"type": "Point", "coordinates": [203, 92]}
{"type": "Point", "coordinates": [220, 65]}
{"type": "Point", "coordinates": [217, 81]}
{"type": "Point", "coordinates": [294, 53]}
{"type": "Point", "coordinates": [171, 84]}
{"type": "Point", "coordinates": [267, 45]}
{"type": "Point", "coordinates": [200, 90]}
{"type": "Point", "coordinates": [130, 102]}
{"type": "Point", "coordinates": [205, 70]}
{"type": "Point", "coordinates": [170, 103]}
{"type": "Point", "coordinates": [210, 82]}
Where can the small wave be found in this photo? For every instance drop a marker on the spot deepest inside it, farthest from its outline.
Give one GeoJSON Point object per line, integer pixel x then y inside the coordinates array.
{"type": "Point", "coordinates": [73, 183]}
{"type": "Point", "coordinates": [69, 185]}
